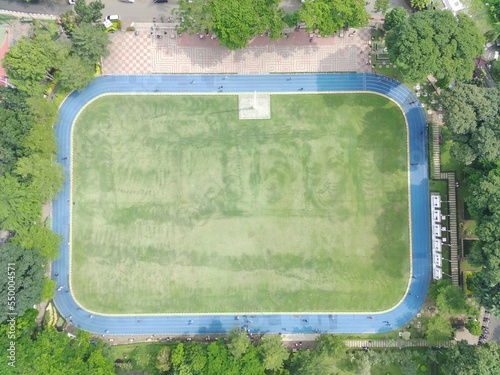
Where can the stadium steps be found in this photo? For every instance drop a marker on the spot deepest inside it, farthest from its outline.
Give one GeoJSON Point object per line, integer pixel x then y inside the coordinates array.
{"type": "Point", "coordinates": [416, 343]}
{"type": "Point", "coordinates": [452, 204]}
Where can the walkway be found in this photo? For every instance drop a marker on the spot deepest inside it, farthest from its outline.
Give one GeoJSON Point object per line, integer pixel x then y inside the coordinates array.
{"type": "Point", "coordinates": [327, 322]}
{"type": "Point", "coordinates": [452, 202]}
{"type": "Point", "coordinates": [396, 343]}
{"type": "Point", "coordinates": [145, 53]}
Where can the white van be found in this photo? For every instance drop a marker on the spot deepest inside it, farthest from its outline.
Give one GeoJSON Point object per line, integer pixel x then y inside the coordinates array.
{"type": "Point", "coordinates": [113, 17]}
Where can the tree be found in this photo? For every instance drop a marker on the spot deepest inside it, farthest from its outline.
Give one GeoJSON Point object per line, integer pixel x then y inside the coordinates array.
{"type": "Point", "coordinates": [41, 140]}
{"type": "Point", "coordinates": [52, 352]}
{"type": "Point", "coordinates": [29, 60]}
{"type": "Point", "coordinates": [24, 275]}
{"type": "Point", "coordinates": [13, 99]}
{"type": "Point", "coordinates": [437, 328]}
{"type": "Point", "coordinates": [76, 73]}
{"type": "Point", "coordinates": [40, 238]}
{"type": "Point", "coordinates": [462, 359]}
{"type": "Point", "coordinates": [292, 19]}
{"type": "Point", "coordinates": [68, 21]}
{"type": "Point", "coordinates": [238, 343]}
{"type": "Point", "coordinates": [329, 16]}
{"type": "Point", "coordinates": [472, 116]}
{"type": "Point", "coordinates": [44, 176]}
{"type": "Point", "coordinates": [451, 300]}
{"type": "Point", "coordinates": [273, 353]}
{"type": "Point", "coordinates": [419, 4]}
{"type": "Point", "coordinates": [219, 361]}
{"type": "Point", "coordinates": [195, 16]}
{"type": "Point", "coordinates": [16, 126]}
{"type": "Point", "coordinates": [178, 355]}
{"type": "Point", "coordinates": [332, 344]}
{"type": "Point", "coordinates": [45, 112]}
{"type": "Point", "coordinates": [382, 6]}
{"type": "Point", "coordinates": [435, 42]}
{"type": "Point", "coordinates": [495, 71]}
{"type": "Point", "coordinates": [474, 327]}
{"type": "Point", "coordinates": [395, 17]}
{"type": "Point", "coordinates": [486, 288]}
{"type": "Point", "coordinates": [142, 357]}
{"type": "Point", "coordinates": [484, 194]}
{"type": "Point", "coordinates": [19, 206]}
{"type": "Point", "coordinates": [196, 358]}
{"type": "Point", "coordinates": [311, 363]}
{"type": "Point", "coordinates": [88, 14]}
{"type": "Point", "coordinates": [236, 22]}
{"type": "Point", "coordinates": [49, 289]}
{"type": "Point", "coordinates": [163, 363]}
{"type": "Point", "coordinates": [90, 42]}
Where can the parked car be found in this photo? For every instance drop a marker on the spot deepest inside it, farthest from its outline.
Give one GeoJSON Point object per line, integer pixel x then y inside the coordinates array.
{"type": "Point", "coordinates": [113, 17]}
{"type": "Point", "coordinates": [127, 1]}
{"type": "Point", "coordinates": [71, 2]}
{"type": "Point", "coordinates": [160, 1]}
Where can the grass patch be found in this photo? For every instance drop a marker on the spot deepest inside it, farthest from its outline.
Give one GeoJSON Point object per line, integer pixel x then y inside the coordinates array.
{"type": "Point", "coordinates": [441, 187]}
{"type": "Point", "coordinates": [479, 12]}
{"type": "Point", "coordinates": [181, 207]}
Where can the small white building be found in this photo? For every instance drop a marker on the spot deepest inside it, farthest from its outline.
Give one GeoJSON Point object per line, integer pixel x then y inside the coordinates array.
{"type": "Point", "coordinates": [454, 5]}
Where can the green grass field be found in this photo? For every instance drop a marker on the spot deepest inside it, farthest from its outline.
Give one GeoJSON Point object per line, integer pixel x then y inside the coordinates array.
{"type": "Point", "coordinates": [182, 208]}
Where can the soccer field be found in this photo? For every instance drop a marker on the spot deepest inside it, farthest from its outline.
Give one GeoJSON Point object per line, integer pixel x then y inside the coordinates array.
{"type": "Point", "coordinates": [179, 207]}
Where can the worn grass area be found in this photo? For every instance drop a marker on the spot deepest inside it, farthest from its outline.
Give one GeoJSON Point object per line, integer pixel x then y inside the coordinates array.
{"type": "Point", "coordinates": [479, 13]}
{"type": "Point", "coordinates": [182, 208]}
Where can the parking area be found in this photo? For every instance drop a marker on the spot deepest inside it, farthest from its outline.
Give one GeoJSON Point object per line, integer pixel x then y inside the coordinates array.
{"type": "Point", "coordinates": [492, 325]}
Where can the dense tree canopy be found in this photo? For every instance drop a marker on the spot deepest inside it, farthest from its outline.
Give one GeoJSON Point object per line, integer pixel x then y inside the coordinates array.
{"type": "Point", "coordinates": [449, 299]}
{"type": "Point", "coordinates": [472, 115]}
{"type": "Point", "coordinates": [19, 206]}
{"type": "Point", "coordinates": [395, 17]}
{"type": "Point", "coordinates": [15, 127]}
{"type": "Point", "coordinates": [464, 359]}
{"type": "Point", "coordinates": [29, 60]}
{"type": "Point", "coordinates": [381, 6]}
{"type": "Point", "coordinates": [234, 22]}
{"type": "Point", "coordinates": [88, 13]}
{"type": "Point", "coordinates": [436, 42]}
{"type": "Point", "coordinates": [329, 16]}
{"type": "Point", "coordinates": [76, 73]}
{"type": "Point", "coordinates": [51, 352]}
{"type": "Point", "coordinates": [27, 279]}
{"type": "Point", "coordinates": [437, 328]}
{"type": "Point", "coordinates": [273, 353]}
{"type": "Point", "coordinates": [90, 42]}
{"type": "Point", "coordinates": [483, 204]}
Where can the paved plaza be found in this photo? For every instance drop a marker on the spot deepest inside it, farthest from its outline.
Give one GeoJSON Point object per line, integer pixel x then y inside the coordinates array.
{"type": "Point", "coordinates": [161, 50]}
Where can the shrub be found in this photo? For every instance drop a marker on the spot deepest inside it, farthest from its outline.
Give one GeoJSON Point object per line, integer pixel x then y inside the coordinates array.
{"type": "Point", "coordinates": [495, 71]}
{"type": "Point", "coordinates": [131, 28]}
{"type": "Point", "coordinates": [474, 327]}
{"type": "Point", "coordinates": [292, 19]}
{"type": "Point", "coordinates": [468, 282]}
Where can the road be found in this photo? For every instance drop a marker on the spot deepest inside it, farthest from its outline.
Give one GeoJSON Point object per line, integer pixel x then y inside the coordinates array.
{"type": "Point", "coordinates": [139, 11]}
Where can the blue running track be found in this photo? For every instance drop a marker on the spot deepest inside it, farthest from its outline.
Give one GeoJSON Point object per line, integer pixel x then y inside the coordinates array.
{"type": "Point", "coordinates": [263, 323]}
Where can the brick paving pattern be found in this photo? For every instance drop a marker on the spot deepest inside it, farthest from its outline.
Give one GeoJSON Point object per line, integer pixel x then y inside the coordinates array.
{"type": "Point", "coordinates": [161, 50]}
